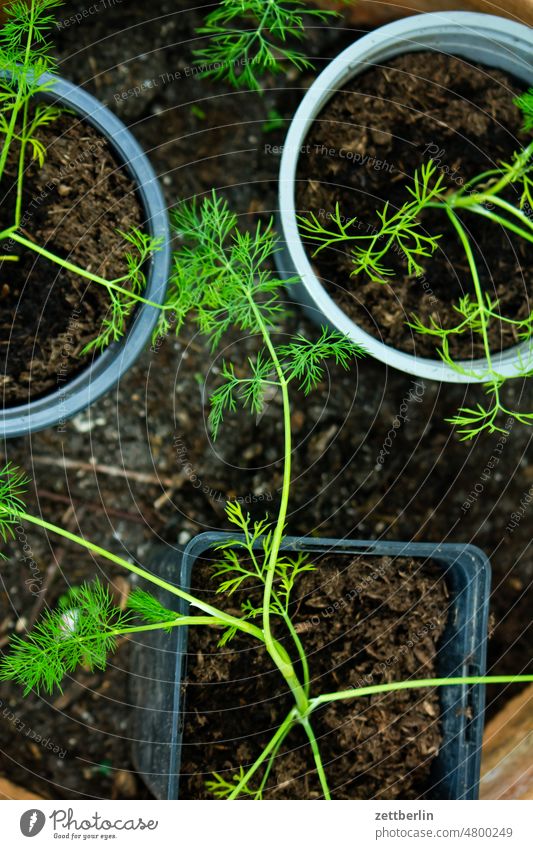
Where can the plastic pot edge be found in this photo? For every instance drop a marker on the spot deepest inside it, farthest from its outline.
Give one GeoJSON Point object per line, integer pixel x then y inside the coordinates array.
{"type": "Point", "coordinates": [467, 564]}
{"type": "Point", "coordinates": [106, 369]}
{"type": "Point", "coordinates": [487, 39]}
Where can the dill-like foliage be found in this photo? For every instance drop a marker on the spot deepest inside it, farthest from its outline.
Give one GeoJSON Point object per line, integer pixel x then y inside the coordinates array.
{"type": "Point", "coordinates": [13, 485]}
{"type": "Point", "coordinates": [64, 639]}
{"type": "Point", "coordinates": [222, 279]}
{"type": "Point", "coordinates": [404, 232]}
{"type": "Point", "coordinates": [245, 561]}
{"type": "Point", "coordinates": [148, 608]}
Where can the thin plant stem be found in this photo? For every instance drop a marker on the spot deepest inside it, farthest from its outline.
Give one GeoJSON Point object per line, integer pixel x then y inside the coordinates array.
{"type": "Point", "coordinates": [280, 734]}
{"type": "Point", "coordinates": [22, 157]}
{"type": "Point", "coordinates": [209, 621]}
{"type": "Point", "coordinates": [19, 96]}
{"type": "Point", "coordinates": [513, 210]}
{"type": "Point", "coordinates": [270, 764]}
{"type": "Point", "coordinates": [465, 241]}
{"type": "Point", "coordinates": [283, 612]}
{"type": "Point", "coordinates": [277, 537]}
{"type": "Point", "coordinates": [490, 192]}
{"type": "Point", "coordinates": [317, 758]}
{"type": "Point", "coordinates": [76, 269]}
{"type": "Point", "coordinates": [233, 621]}
{"type": "Point", "coordinates": [301, 652]}
{"type": "Point", "coordinates": [498, 219]}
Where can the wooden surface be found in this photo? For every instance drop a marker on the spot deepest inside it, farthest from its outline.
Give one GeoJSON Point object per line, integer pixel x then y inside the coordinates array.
{"type": "Point", "coordinates": [507, 761]}
{"type": "Point", "coordinates": [374, 12]}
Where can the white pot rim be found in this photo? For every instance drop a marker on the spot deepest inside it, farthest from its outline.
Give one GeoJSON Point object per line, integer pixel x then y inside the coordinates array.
{"type": "Point", "coordinates": [504, 44]}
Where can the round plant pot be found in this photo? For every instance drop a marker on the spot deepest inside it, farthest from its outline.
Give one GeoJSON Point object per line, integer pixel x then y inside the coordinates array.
{"type": "Point", "coordinates": [106, 369]}
{"type": "Point", "coordinates": [485, 39]}
{"type": "Point", "coordinates": [159, 661]}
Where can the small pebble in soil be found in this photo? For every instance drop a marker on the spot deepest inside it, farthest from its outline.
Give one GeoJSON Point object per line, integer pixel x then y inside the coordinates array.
{"type": "Point", "coordinates": [85, 422]}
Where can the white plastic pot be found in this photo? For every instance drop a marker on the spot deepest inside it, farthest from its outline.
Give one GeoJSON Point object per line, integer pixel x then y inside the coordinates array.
{"type": "Point", "coordinates": [485, 39]}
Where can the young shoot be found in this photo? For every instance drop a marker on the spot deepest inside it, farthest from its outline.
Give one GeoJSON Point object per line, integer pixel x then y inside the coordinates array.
{"type": "Point", "coordinates": [403, 230]}
{"type": "Point", "coordinates": [222, 280]}
{"type": "Point", "coordinates": [249, 38]}
{"type": "Point", "coordinates": [25, 56]}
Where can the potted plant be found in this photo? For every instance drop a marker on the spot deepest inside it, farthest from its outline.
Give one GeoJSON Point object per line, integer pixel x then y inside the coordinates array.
{"type": "Point", "coordinates": [414, 200]}
{"type": "Point", "coordinates": [259, 574]}
{"type": "Point", "coordinates": [84, 241]}
{"type": "Point", "coordinates": [431, 744]}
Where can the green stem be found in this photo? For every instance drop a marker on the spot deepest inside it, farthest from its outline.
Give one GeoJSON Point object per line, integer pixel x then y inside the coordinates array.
{"type": "Point", "coordinates": [326, 698]}
{"type": "Point", "coordinates": [209, 621]}
{"type": "Point", "coordinates": [22, 156]}
{"type": "Point", "coordinates": [318, 760]}
{"type": "Point", "coordinates": [513, 210]}
{"type": "Point", "coordinates": [9, 135]}
{"type": "Point", "coordinates": [465, 241]}
{"type": "Point", "coordinates": [283, 612]}
{"type": "Point", "coordinates": [258, 32]}
{"type": "Point", "coordinates": [139, 629]}
{"type": "Point", "coordinates": [19, 97]}
{"type": "Point", "coordinates": [460, 199]}
{"type": "Point", "coordinates": [233, 621]}
{"type": "Point", "coordinates": [270, 764]}
{"type": "Point", "coordinates": [504, 222]}
{"type": "Point", "coordinates": [524, 322]}
{"type": "Point", "coordinates": [301, 651]}
{"type": "Point", "coordinates": [287, 670]}
{"type": "Point", "coordinates": [8, 232]}
{"type": "Point", "coordinates": [275, 650]}
{"type": "Point", "coordinates": [69, 266]}
{"type": "Point", "coordinates": [280, 734]}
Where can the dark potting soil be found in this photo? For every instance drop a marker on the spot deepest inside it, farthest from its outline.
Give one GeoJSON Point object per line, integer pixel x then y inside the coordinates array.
{"type": "Point", "coordinates": [363, 149]}
{"type": "Point", "coordinates": [362, 621]}
{"type": "Point", "coordinates": [73, 206]}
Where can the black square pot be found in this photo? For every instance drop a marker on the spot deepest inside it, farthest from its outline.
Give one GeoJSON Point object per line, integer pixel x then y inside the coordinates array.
{"type": "Point", "coordinates": [158, 661]}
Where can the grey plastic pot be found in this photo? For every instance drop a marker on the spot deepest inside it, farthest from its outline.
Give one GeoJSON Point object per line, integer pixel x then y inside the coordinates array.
{"type": "Point", "coordinates": [106, 369]}
{"type": "Point", "coordinates": [485, 39]}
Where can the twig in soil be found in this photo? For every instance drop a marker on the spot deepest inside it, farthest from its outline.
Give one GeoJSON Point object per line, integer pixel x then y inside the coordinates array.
{"type": "Point", "coordinates": [94, 506]}
{"type": "Point", "coordinates": [113, 471]}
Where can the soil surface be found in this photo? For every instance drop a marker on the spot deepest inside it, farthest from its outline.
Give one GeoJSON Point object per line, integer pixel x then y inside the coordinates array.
{"type": "Point", "coordinates": [362, 621]}
{"type": "Point", "coordinates": [373, 458]}
{"type": "Point", "coordinates": [72, 206]}
{"type": "Point", "coordinates": [363, 150]}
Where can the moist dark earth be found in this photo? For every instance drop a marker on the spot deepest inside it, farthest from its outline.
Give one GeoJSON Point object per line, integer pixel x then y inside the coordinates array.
{"type": "Point", "coordinates": [364, 149]}
{"type": "Point", "coordinates": [233, 704]}
{"type": "Point", "coordinates": [120, 472]}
